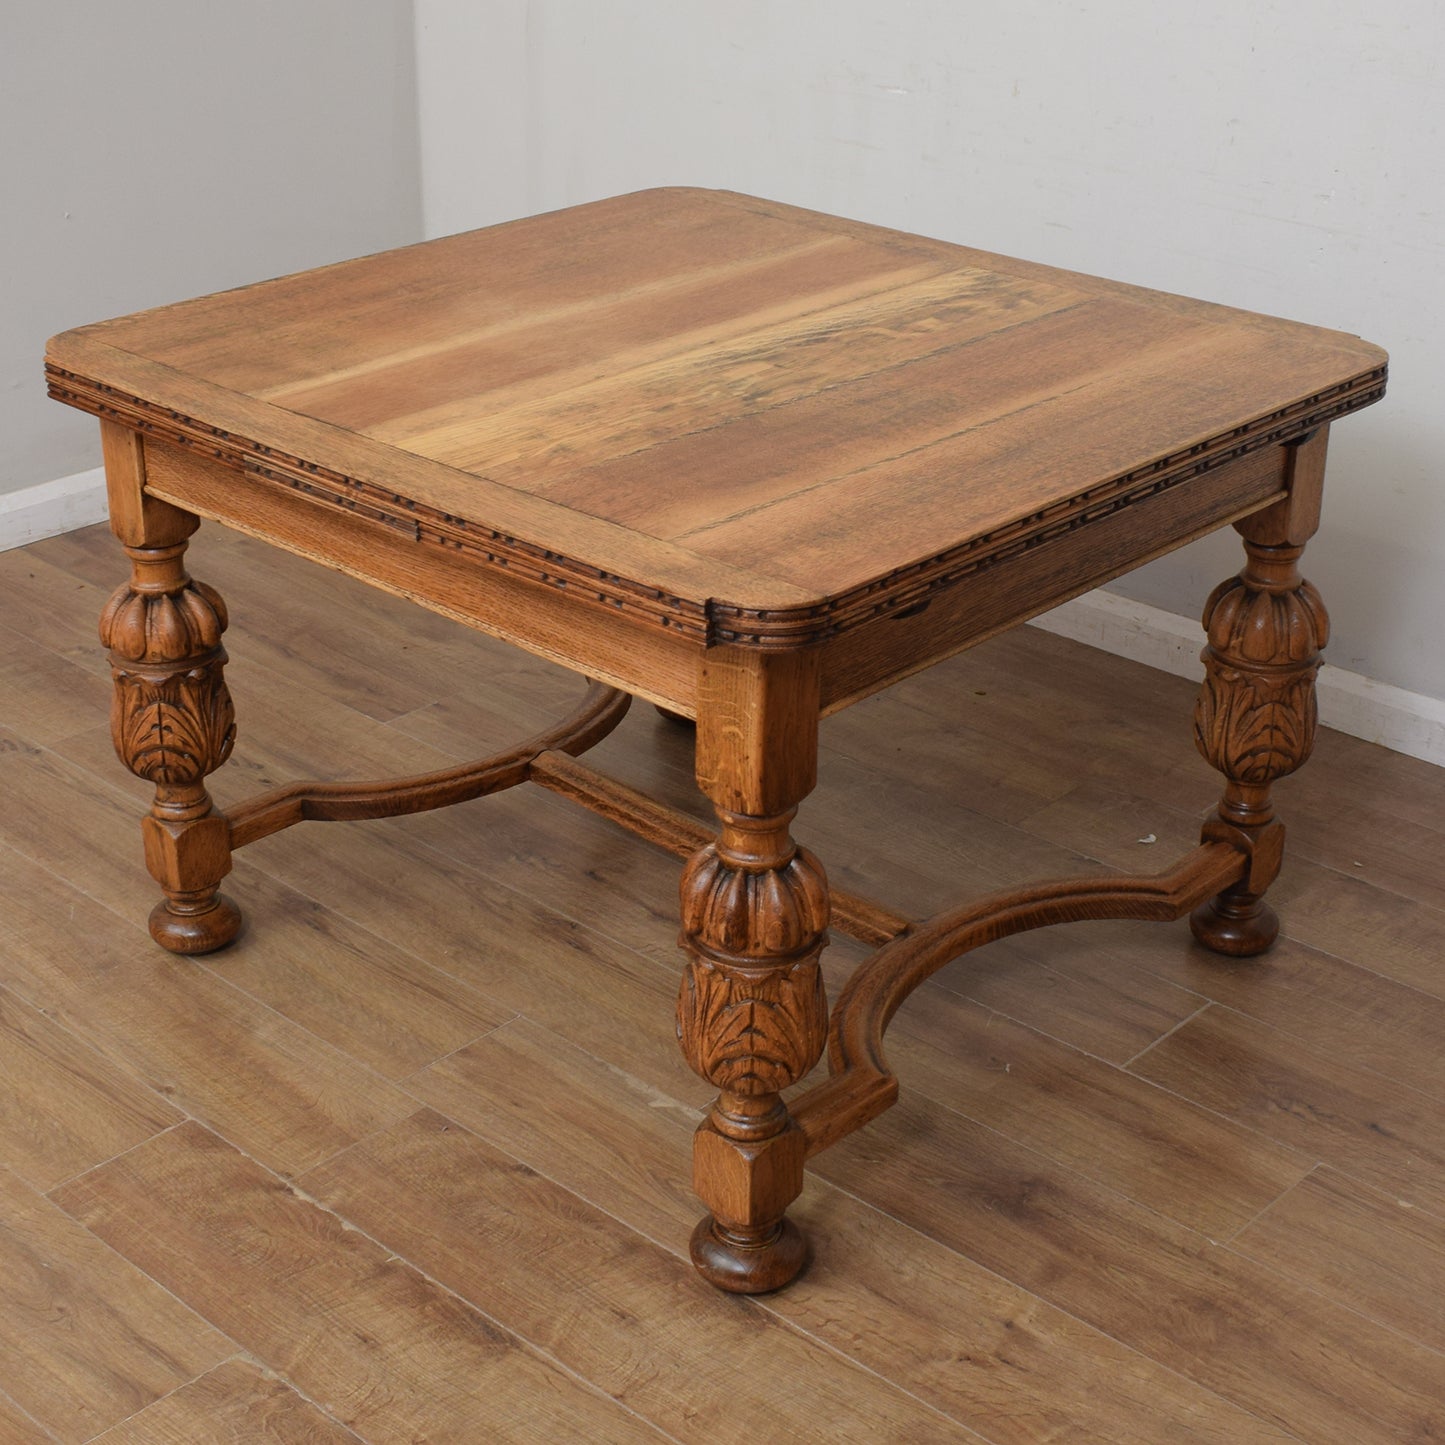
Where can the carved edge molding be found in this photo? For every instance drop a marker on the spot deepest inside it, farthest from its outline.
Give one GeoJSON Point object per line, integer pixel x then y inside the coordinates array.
{"type": "Point", "coordinates": [913, 587]}
{"type": "Point", "coordinates": [380, 505]}
{"type": "Point", "coordinates": [714, 621]}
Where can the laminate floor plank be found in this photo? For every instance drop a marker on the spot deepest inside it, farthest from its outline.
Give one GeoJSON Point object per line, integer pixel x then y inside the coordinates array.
{"type": "Point", "coordinates": [1113, 1013]}
{"type": "Point", "coordinates": [961, 1337]}
{"type": "Point", "coordinates": [1152, 1146]}
{"type": "Point", "coordinates": [1077, 711]}
{"type": "Point", "coordinates": [506, 1089]}
{"type": "Point", "coordinates": [47, 698]}
{"type": "Point", "coordinates": [1360, 773]}
{"type": "Point", "coordinates": [64, 1107]}
{"type": "Point", "coordinates": [501, 944]}
{"type": "Point", "coordinates": [19, 1428]}
{"type": "Point", "coordinates": [185, 1033]}
{"type": "Point", "coordinates": [386, 1351]}
{"type": "Point", "coordinates": [1270, 1345]}
{"type": "Point", "coordinates": [1398, 937]}
{"type": "Point", "coordinates": [86, 1339]}
{"type": "Point", "coordinates": [892, 735]}
{"type": "Point", "coordinates": [56, 609]}
{"type": "Point", "coordinates": [1128, 832]}
{"type": "Point", "coordinates": [563, 859]}
{"type": "Point", "coordinates": [1366, 1126]}
{"type": "Point", "coordinates": [87, 553]}
{"type": "Point", "coordinates": [235, 1404]}
{"type": "Point", "coordinates": [1379, 1255]}
{"type": "Point", "coordinates": [380, 1004]}
{"type": "Point", "coordinates": [606, 1303]}
{"type": "Point", "coordinates": [1328, 1003]}
{"type": "Point", "coordinates": [1380, 846]}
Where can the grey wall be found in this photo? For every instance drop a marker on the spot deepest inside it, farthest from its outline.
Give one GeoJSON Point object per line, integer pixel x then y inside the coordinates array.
{"type": "Point", "coordinates": [157, 149]}
{"type": "Point", "coordinates": [1280, 155]}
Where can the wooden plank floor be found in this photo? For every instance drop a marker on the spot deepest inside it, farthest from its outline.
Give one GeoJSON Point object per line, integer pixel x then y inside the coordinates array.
{"type": "Point", "coordinates": [409, 1161]}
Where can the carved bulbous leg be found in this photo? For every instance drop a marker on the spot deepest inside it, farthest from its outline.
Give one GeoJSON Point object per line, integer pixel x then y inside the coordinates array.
{"type": "Point", "coordinates": [1255, 722]}
{"type": "Point", "coordinates": [172, 723]}
{"type": "Point", "coordinates": [752, 1019]}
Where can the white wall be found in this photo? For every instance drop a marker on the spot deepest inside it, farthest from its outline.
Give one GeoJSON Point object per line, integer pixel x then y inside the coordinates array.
{"type": "Point", "coordinates": [1281, 155]}
{"type": "Point", "coordinates": [157, 149]}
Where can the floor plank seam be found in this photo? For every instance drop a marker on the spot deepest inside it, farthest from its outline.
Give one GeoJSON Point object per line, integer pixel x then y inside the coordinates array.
{"type": "Point", "coordinates": [1366, 968]}
{"type": "Point", "coordinates": [1034, 1028]}
{"type": "Point", "coordinates": [299, 1190]}
{"type": "Point", "coordinates": [669, 1248]}
{"type": "Point", "coordinates": [186, 1118]}
{"type": "Point", "coordinates": [1314, 1047]}
{"type": "Point", "coordinates": [588, 929]}
{"type": "Point", "coordinates": [1063, 1164]}
{"type": "Point", "coordinates": [217, 971]}
{"type": "Point", "coordinates": [1054, 1304]}
{"type": "Point", "coordinates": [175, 1390]}
{"type": "Point", "coordinates": [129, 925]}
{"type": "Point", "coordinates": [1340, 1303]}
{"type": "Point", "coordinates": [1229, 1241]}
{"type": "Point", "coordinates": [1307, 1044]}
{"type": "Point", "coordinates": [186, 1305]}
{"type": "Point", "coordinates": [19, 1409]}
{"type": "Point", "coordinates": [1128, 1064]}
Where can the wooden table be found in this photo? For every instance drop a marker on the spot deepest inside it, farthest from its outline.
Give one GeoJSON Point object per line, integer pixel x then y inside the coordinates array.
{"type": "Point", "coordinates": [752, 463]}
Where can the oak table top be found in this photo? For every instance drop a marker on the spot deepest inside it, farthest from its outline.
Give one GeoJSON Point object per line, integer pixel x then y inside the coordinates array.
{"type": "Point", "coordinates": [753, 463]}
{"type": "Point", "coordinates": [715, 411]}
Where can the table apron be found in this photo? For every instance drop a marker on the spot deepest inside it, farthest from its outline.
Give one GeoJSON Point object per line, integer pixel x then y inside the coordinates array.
{"type": "Point", "coordinates": [643, 660]}
{"type": "Point", "coordinates": [1003, 591]}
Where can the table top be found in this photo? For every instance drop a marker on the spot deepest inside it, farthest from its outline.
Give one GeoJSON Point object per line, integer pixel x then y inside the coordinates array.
{"type": "Point", "coordinates": [712, 399]}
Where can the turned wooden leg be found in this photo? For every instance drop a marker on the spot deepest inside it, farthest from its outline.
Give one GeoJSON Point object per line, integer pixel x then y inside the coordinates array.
{"type": "Point", "coordinates": [171, 717]}
{"type": "Point", "coordinates": [1256, 716]}
{"type": "Point", "coordinates": [752, 1016]}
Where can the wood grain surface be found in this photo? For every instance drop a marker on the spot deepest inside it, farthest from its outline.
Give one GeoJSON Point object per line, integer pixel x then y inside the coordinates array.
{"type": "Point", "coordinates": [681, 397]}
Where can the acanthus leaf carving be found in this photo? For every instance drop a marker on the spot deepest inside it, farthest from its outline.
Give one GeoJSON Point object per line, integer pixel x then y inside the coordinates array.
{"type": "Point", "coordinates": [752, 1033]}
{"type": "Point", "coordinates": [1254, 727]}
{"type": "Point", "coordinates": [173, 728]}
{"type": "Point", "coordinates": [1256, 715]}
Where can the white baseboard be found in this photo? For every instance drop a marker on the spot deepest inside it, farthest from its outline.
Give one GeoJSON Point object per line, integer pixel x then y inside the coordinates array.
{"type": "Point", "coordinates": [1408, 722]}
{"type": "Point", "coordinates": [49, 508]}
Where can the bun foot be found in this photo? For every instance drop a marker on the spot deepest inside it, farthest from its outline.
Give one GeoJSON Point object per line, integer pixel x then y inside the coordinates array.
{"type": "Point", "coordinates": [740, 1264]}
{"type": "Point", "coordinates": [201, 932]}
{"type": "Point", "coordinates": [681, 719]}
{"type": "Point", "coordinates": [1240, 928]}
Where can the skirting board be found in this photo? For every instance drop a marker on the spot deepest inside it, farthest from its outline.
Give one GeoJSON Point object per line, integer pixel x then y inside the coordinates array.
{"type": "Point", "coordinates": [49, 508]}
{"type": "Point", "coordinates": [1408, 722]}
